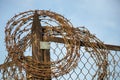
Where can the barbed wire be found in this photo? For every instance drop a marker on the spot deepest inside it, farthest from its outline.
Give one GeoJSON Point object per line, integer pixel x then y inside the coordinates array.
{"type": "Point", "coordinates": [19, 38]}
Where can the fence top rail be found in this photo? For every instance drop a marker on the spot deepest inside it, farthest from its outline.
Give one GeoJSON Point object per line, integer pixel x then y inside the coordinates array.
{"type": "Point", "coordinates": [109, 47]}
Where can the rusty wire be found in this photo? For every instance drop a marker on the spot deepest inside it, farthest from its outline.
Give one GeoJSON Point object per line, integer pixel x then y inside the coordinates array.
{"type": "Point", "coordinates": [18, 39]}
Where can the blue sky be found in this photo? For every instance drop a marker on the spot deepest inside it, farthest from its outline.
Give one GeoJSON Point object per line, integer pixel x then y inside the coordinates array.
{"type": "Point", "coordinates": [101, 17]}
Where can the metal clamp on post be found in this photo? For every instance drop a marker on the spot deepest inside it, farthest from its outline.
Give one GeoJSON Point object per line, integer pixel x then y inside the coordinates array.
{"type": "Point", "coordinates": [44, 45]}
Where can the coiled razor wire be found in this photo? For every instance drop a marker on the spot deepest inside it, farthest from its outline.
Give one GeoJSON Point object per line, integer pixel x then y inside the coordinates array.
{"type": "Point", "coordinates": [18, 39]}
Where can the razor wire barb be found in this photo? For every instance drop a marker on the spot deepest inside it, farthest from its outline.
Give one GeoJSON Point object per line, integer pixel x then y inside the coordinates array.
{"type": "Point", "coordinates": [59, 31]}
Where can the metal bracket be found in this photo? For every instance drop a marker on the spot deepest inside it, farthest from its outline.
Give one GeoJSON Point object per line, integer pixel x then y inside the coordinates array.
{"type": "Point", "coordinates": [44, 45]}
